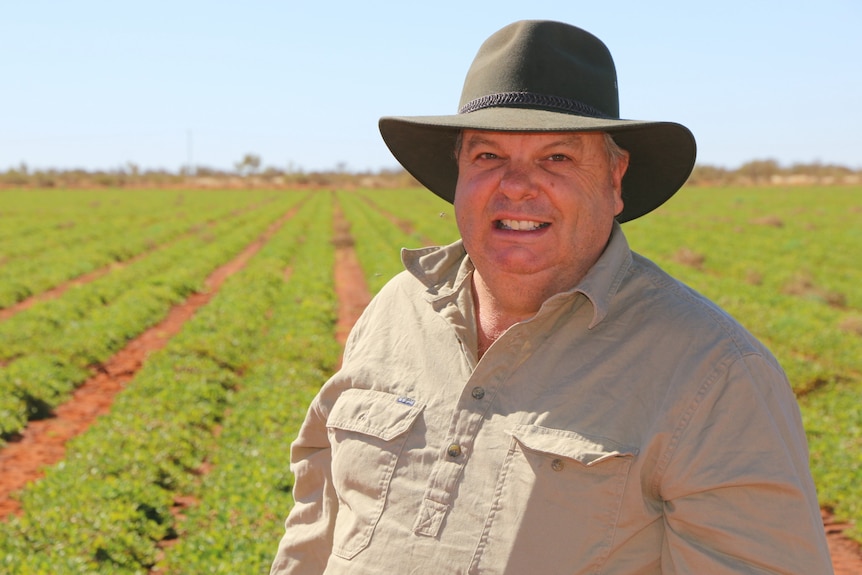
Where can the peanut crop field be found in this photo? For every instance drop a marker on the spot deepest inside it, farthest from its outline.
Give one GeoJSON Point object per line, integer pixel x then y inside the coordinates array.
{"type": "Point", "coordinates": [159, 348]}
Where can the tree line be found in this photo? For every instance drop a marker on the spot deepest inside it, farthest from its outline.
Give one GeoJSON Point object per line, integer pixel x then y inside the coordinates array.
{"type": "Point", "coordinates": [249, 172]}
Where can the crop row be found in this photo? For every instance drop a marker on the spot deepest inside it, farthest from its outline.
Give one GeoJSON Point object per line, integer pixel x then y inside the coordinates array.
{"type": "Point", "coordinates": [48, 350]}
{"type": "Point", "coordinates": [51, 249]}
{"type": "Point", "coordinates": [376, 239]}
{"type": "Point", "coordinates": [54, 217]}
{"type": "Point", "coordinates": [236, 525]}
{"type": "Point", "coordinates": [245, 364]}
{"type": "Point", "coordinates": [430, 218]}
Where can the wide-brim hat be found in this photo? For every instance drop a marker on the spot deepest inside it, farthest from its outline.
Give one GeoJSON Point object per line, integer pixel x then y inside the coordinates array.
{"type": "Point", "coordinates": [542, 76]}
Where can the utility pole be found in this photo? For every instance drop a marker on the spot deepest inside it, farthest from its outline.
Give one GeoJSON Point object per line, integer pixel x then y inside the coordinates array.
{"type": "Point", "coordinates": [189, 150]}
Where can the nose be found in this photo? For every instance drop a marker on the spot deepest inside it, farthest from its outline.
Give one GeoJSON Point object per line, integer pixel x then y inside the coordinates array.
{"type": "Point", "coordinates": [518, 182]}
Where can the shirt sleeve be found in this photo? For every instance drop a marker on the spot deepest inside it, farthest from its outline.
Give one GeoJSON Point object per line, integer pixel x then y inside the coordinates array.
{"type": "Point", "coordinates": [305, 547]}
{"type": "Point", "coordinates": [738, 494]}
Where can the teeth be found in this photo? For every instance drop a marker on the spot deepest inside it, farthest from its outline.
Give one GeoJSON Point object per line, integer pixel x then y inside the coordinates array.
{"type": "Point", "coordinates": [521, 225]}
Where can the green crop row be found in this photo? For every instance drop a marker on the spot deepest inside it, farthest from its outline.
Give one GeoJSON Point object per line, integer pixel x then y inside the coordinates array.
{"type": "Point", "coordinates": [377, 239]}
{"type": "Point", "coordinates": [833, 423]}
{"type": "Point", "coordinates": [38, 258]}
{"type": "Point", "coordinates": [55, 228]}
{"type": "Point", "coordinates": [431, 218]}
{"type": "Point", "coordinates": [108, 505]}
{"type": "Point", "coordinates": [54, 217]}
{"type": "Point", "coordinates": [242, 502]}
{"type": "Point", "coordinates": [29, 330]}
{"type": "Point", "coordinates": [50, 348]}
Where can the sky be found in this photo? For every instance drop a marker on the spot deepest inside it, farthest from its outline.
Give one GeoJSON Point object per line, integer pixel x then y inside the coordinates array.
{"type": "Point", "coordinates": [100, 85]}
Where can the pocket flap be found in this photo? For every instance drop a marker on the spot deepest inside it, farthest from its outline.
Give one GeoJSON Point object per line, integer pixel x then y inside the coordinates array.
{"type": "Point", "coordinates": [376, 413]}
{"type": "Point", "coordinates": [570, 444]}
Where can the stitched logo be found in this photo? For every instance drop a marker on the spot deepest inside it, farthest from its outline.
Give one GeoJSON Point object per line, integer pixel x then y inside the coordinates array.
{"type": "Point", "coordinates": [406, 401]}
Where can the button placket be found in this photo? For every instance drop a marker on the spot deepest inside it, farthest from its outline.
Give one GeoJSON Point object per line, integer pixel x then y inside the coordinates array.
{"type": "Point", "coordinates": [467, 420]}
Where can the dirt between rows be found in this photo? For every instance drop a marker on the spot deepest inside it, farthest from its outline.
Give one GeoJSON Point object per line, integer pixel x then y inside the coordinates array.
{"type": "Point", "coordinates": [43, 442]}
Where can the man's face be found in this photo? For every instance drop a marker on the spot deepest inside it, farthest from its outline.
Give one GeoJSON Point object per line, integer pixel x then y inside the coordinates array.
{"type": "Point", "coordinates": [536, 203]}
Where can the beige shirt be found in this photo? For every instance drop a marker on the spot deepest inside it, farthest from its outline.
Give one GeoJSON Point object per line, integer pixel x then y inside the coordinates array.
{"type": "Point", "coordinates": [630, 427]}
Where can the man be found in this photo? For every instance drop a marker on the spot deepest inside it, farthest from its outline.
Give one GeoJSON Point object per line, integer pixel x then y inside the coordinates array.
{"type": "Point", "coordinates": [536, 398]}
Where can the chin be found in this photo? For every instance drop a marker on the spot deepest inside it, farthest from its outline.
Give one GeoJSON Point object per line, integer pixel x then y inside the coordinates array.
{"type": "Point", "coordinates": [517, 266]}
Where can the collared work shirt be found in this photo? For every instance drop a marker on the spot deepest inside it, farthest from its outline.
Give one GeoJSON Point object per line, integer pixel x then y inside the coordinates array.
{"type": "Point", "coordinates": [629, 427]}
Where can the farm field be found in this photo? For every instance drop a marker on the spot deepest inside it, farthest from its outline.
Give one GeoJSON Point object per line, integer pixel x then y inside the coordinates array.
{"type": "Point", "coordinates": [158, 350]}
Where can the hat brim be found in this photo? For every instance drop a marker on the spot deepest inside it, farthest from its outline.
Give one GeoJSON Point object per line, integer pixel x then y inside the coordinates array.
{"type": "Point", "coordinates": [662, 154]}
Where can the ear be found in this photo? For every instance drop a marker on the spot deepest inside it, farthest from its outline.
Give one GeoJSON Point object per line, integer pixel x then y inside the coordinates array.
{"type": "Point", "coordinates": [618, 170]}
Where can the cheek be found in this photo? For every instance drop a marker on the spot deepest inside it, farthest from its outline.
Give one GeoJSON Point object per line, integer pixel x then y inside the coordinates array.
{"type": "Point", "coordinates": [461, 211]}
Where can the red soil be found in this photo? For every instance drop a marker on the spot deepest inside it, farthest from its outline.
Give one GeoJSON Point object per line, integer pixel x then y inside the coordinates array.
{"type": "Point", "coordinates": [350, 286]}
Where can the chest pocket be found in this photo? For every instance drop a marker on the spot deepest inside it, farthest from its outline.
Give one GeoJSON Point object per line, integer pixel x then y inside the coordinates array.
{"type": "Point", "coordinates": [367, 430]}
{"type": "Point", "coordinates": [557, 501]}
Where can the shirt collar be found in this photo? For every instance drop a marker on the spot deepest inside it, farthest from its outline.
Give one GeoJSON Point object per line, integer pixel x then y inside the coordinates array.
{"type": "Point", "coordinates": [444, 271]}
{"type": "Point", "coordinates": [602, 282]}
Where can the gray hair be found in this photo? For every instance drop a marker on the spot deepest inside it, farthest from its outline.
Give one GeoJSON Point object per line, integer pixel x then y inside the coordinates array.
{"type": "Point", "coordinates": [615, 153]}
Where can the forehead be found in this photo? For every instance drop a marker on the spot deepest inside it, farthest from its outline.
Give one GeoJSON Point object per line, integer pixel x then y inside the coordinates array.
{"type": "Point", "coordinates": [471, 138]}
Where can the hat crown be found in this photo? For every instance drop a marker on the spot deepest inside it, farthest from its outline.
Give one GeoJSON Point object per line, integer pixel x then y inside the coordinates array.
{"type": "Point", "coordinates": [543, 65]}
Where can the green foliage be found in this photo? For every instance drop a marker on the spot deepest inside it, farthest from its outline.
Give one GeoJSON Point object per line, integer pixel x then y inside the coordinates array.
{"type": "Point", "coordinates": [376, 237]}
{"type": "Point", "coordinates": [92, 322]}
{"type": "Point", "coordinates": [47, 239]}
{"type": "Point", "coordinates": [106, 507]}
{"type": "Point", "coordinates": [430, 218]}
{"type": "Point", "coordinates": [833, 421]}
{"type": "Point", "coordinates": [244, 499]}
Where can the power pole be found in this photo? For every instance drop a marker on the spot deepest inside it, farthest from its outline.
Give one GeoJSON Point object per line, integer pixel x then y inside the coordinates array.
{"type": "Point", "coordinates": [189, 151]}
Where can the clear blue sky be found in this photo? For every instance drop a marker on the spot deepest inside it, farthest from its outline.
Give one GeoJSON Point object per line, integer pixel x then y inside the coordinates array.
{"type": "Point", "coordinates": [97, 84]}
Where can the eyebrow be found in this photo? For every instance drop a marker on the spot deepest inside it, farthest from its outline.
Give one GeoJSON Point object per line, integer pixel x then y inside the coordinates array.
{"type": "Point", "coordinates": [476, 140]}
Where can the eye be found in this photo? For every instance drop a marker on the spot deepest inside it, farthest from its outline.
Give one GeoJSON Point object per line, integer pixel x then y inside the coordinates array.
{"type": "Point", "coordinates": [487, 156]}
{"type": "Point", "coordinates": [558, 157]}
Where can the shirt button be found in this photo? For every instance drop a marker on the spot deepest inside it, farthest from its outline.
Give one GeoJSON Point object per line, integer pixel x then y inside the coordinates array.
{"type": "Point", "coordinates": [454, 450]}
{"type": "Point", "coordinates": [557, 465]}
{"type": "Point", "coordinates": [478, 393]}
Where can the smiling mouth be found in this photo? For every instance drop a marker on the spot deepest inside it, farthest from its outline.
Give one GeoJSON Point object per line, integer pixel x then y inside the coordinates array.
{"type": "Point", "coordinates": [520, 225]}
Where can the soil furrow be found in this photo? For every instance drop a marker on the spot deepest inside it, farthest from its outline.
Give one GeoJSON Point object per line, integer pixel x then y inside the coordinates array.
{"type": "Point", "coordinates": [58, 290]}
{"type": "Point", "coordinates": [404, 225]}
{"type": "Point", "coordinates": [42, 443]}
{"type": "Point", "coordinates": [350, 285]}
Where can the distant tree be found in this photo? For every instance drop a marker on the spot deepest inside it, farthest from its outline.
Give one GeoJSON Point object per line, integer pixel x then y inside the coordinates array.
{"type": "Point", "coordinates": [249, 165]}
{"type": "Point", "coordinates": [708, 176]}
{"type": "Point", "coordinates": [759, 171]}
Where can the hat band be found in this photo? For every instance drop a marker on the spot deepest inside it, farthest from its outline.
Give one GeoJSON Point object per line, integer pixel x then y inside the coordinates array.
{"type": "Point", "coordinates": [531, 99]}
